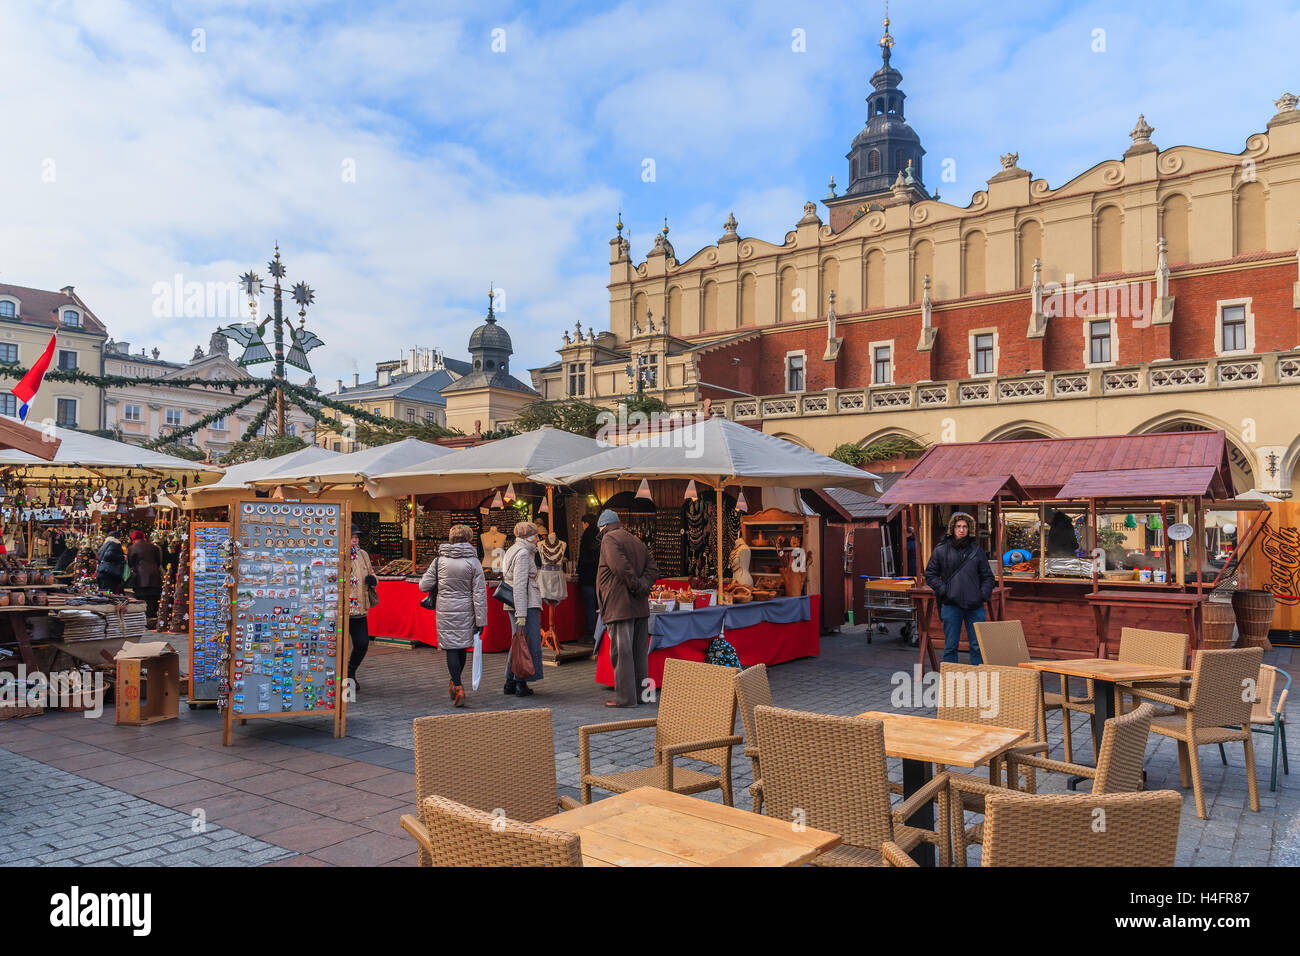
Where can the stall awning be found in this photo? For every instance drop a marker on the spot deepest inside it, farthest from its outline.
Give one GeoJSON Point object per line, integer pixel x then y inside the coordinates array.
{"type": "Point", "coordinates": [1203, 480]}
{"type": "Point", "coordinates": [961, 489]}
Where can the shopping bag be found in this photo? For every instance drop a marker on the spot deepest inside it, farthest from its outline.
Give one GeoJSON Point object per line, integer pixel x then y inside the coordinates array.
{"type": "Point", "coordinates": [521, 655]}
{"type": "Point", "coordinates": [476, 673]}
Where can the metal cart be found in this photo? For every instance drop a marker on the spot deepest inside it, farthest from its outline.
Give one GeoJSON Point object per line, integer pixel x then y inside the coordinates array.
{"type": "Point", "coordinates": [887, 600]}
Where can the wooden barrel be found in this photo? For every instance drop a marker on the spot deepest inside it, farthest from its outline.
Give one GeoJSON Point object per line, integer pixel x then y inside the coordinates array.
{"type": "Point", "coordinates": [1254, 612]}
{"type": "Point", "coordinates": [1218, 621]}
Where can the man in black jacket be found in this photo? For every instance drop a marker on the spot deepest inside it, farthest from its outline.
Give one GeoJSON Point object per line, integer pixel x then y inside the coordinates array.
{"type": "Point", "coordinates": [959, 574]}
{"type": "Point", "coordinates": [588, 562]}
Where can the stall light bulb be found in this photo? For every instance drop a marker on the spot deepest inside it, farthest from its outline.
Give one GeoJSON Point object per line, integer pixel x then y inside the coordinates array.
{"type": "Point", "coordinates": [741, 505]}
{"type": "Point", "coordinates": [644, 491]}
{"type": "Point", "coordinates": [544, 509]}
{"type": "Point", "coordinates": [510, 492]}
{"type": "Point", "coordinates": [691, 493]}
{"type": "Point", "coordinates": [496, 501]}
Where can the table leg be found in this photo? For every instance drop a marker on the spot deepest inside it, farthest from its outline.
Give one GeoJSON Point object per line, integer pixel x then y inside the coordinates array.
{"type": "Point", "coordinates": [1103, 707]}
{"type": "Point", "coordinates": [916, 774]}
{"type": "Point", "coordinates": [24, 642]}
{"type": "Point", "coordinates": [926, 649]}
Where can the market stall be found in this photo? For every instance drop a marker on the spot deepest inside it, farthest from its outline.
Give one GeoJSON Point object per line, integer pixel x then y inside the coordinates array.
{"type": "Point", "coordinates": [76, 487]}
{"type": "Point", "coordinates": [1086, 534]}
{"type": "Point", "coordinates": [718, 453]}
{"type": "Point", "coordinates": [489, 488]}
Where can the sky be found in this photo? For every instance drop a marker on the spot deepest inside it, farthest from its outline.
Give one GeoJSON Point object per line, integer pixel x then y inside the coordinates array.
{"type": "Point", "coordinates": [409, 156]}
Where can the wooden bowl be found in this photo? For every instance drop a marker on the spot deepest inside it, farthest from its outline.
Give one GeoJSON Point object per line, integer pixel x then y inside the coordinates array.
{"type": "Point", "coordinates": [17, 598]}
{"type": "Point", "coordinates": [762, 595]}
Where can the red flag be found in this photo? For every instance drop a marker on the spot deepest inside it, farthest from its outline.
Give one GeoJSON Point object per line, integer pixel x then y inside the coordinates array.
{"type": "Point", "coordinates": [30, 384]}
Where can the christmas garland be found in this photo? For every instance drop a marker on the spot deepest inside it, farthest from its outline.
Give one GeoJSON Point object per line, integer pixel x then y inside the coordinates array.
{"type": "Point", "coordinates": [109, 381]}
{"type": "Point", "coordinates": [193, 427]}
{"type": "Point", "coordinates": [256, 424]}
{"type": "Point", "coordinates": [302, 395]}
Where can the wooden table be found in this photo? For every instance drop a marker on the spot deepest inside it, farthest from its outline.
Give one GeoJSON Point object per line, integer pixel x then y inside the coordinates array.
{"type": "Point", "coordinates": [925, 599]}
{"type": "Point", "coordinates": [1105, 674]}
{"type": "Point", "coordinates": [652, 827]}
{"type": "Point", "coordinates": [1189, 602]}
{"type": "Point", "coordinates": [922, 742]}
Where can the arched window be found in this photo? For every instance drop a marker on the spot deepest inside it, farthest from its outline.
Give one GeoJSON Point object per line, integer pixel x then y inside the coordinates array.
{"type": "Point", "coordinates": [875, 279]}
{"type": "Point", "coordinates": [974, 256]}
{"type": "Point", "coordinates": [748, 299]}
{"type": "Point", "coordinates": [7, 310]}
{"type": "Point", "coordinates": [71, 318]}
{"type": "Point", "coordinates": [831, 283]}
{"type": "Point", "coordinates": [853, 169]}
{"type": "Point", "coordinates": [1029, 241]}
{"type": "Point", "coordinates": [789, 287]}
{"type": "Point", "coordinates": [873, 161]}
{"type": "Point", "coordinates": [1249, 232]}
{"type": "Point", "coordinates": [1173, 226]}
{"type": "Point", "coordinates": [922, 266]}
{"type": "Point", "coordinates": [1109, 241]}
{"type": "Point", "coordinates": [673, 310]}
{"type": "Point", "coordinates": [709, 307]}
{"type": "Point", "coordinates": [893, 104]}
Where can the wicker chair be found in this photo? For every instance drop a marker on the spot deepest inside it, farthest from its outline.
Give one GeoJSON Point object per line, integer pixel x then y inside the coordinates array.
{"type": "Point", "coordinates": [452, 834]}
{"type": "Point", "coordinates": [1018, 706]}
{"type": "Point", "coordinates": [753, 690]}
{"type": "Point", "coordinates": [1268, 719]}
{"type": "Point", "coordinates": [500, 760]}
{"type": "Point", "coordinates": [1118, 770]}
{"type": "Point", "coordinates": [1158, 648]}
{"type": "Point", "coordinates": [1003, 643]}
{"type": "Point", "coordinates": [1217, 710]}
{"type": "Point", "coordinates": [697, 718]}
{"type": "Point", "coordinates": [830, 773]}
{"type": "Point", "coordinates": [1061, 830]}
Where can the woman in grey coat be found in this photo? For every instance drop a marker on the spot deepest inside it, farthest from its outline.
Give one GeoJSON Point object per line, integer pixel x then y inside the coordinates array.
{"type": "Point", "coordinates": [461, 604]}
{"type": "Point", "coordinates": [519, 570]}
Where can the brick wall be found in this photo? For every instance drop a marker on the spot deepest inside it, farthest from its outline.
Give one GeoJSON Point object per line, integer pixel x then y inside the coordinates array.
{"type": "Point", "coordinates": [761, 369]}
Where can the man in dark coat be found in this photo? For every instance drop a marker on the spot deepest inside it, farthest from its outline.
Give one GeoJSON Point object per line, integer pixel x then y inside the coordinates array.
{"type": "Point", "coordinates": [588, 562]}
{"type": "Point", "coordinates": [111, 562]}
{"type": "Point", "coordinates": [959, 574]}
{"type": "Point", "coordinates": [145, 561]}
{"type": "Point", "coordinates": [624, 579]}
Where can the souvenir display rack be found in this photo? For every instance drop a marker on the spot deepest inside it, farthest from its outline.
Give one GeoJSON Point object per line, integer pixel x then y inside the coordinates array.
{"type": "Point", "coordinates": [289, 644]}
{"type": "Point", "coordinates": [773, 536]}
{"type": "Point", "coordinates": [668, 541]}
{"type": "Point", "coordinates": [209, 597]}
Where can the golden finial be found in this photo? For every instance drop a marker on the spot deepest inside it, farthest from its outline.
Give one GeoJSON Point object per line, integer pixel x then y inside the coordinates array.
{"type": "Point", "coordinates": [665, 225]}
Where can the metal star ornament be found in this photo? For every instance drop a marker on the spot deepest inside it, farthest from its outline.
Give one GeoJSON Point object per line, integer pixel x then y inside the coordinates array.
{"type": "Point", "coordinates": [251, 283]}
{"type": "Point", "coordinates": [303, 294]}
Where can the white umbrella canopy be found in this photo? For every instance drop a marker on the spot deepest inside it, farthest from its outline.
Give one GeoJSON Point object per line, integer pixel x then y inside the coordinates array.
{"type": "Point", "coordinates": [489, 465]}
{"type": "Point", "coordinates": [238, 477]}
{"type": "Point", "coordinates": [79, 451]}
{"type": "Point", "coordinates": [717, 452]}
{"type": "Point", "coordinates": [358, 467]}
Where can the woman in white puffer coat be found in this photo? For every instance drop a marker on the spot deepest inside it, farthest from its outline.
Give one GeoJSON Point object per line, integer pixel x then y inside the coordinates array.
{"type": "Point", "coordinates": [461, 604]}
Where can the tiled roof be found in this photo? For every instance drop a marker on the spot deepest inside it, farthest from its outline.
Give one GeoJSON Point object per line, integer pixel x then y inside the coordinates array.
{"type": "Point", "coordinates": [426, 387]}
{"type": "Point", "coordinates": [41, 307]}
{"type": "Point", "coordinates": [1044, 465]}
{"type": "Point", "coordinates": [484, 379]}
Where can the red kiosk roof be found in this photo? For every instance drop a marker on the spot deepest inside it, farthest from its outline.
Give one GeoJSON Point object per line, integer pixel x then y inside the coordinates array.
{"type": "Point", "coordinates": [1136, 465]}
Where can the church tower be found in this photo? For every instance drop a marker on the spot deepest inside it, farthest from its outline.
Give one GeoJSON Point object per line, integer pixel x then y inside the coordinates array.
{"type": "Point", "coordinates": [886, 154]}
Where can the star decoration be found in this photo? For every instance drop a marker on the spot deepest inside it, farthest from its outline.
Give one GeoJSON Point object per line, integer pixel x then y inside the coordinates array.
{"type": "Point", "coordinates": [276, 268]}
{"type": "Point", "coordinates": [303, 294]}
{"type": "Point", "coordinates": [250, 282]}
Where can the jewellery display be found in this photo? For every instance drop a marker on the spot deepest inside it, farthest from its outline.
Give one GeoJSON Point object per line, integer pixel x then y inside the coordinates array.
{"type": "Point", "coordinates": [287, 641]}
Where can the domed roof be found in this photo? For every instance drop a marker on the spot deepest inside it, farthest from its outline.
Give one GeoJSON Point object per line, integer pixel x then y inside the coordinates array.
{"type": "Point", "coordinates": [886, 126]}
{"type": "Point", "coordinates": [489, 335]}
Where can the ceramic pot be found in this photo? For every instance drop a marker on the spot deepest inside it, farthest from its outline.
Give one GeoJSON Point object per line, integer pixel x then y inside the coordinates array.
{"type": "Point", "coordinates": [17, 598]}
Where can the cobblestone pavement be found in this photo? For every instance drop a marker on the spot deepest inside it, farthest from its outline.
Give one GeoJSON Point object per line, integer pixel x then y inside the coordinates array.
{"type": "Point", "coordinates": [288, 794]}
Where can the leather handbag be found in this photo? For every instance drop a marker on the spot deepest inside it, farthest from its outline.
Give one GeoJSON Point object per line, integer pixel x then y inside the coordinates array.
{"type": "Point", "coordinates": [521, 655]}
{"type": "Point", "coordinates": [430, 601]}
{"type": "Point", "coordinates": [505, 592]}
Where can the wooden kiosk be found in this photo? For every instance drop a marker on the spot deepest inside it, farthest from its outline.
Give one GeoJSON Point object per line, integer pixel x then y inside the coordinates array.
{"type": "Point", "coordinates": [1086, 534]}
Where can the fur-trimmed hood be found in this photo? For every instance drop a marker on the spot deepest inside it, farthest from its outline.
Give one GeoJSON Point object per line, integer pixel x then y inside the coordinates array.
{"type": "Point", "coordinates": [970, 521]}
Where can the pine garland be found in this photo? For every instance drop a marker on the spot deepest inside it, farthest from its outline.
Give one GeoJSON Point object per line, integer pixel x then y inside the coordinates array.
{"type": "Point", "coordinates": [193, 427]}
{"type": "Point", "coordinates": [112, 381]}
{"type": "Point", "coordinates": [256, 424]}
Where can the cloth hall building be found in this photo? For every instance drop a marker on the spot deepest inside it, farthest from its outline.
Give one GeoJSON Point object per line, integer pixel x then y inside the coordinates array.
{"type": "Point", "coordinates": [1157, 290]}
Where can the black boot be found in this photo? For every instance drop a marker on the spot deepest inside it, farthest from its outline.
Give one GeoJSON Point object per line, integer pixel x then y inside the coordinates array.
{"type": "Point", "coordinates": [523, 690]}
{"type": "Point", "coordinates": [510, 688]}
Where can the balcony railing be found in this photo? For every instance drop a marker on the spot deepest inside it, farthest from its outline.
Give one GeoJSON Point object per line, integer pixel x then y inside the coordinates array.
{"type": "Point", "coordinates": [1249, 371]}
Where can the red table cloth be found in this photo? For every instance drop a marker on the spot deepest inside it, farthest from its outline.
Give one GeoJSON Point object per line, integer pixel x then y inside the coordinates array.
{"type": "Point", "coordinates": [398, 614]}
{"type": "Point", "coordinates": [764, 643]}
